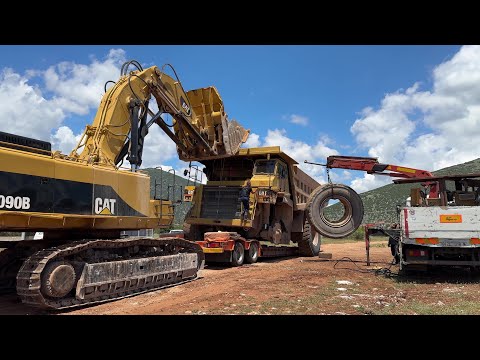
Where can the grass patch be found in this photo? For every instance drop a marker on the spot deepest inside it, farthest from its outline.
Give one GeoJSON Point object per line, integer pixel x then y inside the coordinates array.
{"type": "Point", "coordinates": [373, 239]}
{"type": "Point", "coordinates": [295, 305]}
{"type": "Point", "coordinates": [420, 308]}
{"type": "Point", "coordinates": [379, 245]}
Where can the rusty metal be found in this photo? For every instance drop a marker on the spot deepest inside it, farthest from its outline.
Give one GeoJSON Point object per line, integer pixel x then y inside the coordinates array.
{"type": "Point", "coordinates": [367, 244]}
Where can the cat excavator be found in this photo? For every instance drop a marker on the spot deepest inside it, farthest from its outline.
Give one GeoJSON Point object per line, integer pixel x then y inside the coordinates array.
{"type": "Point", "coordinates": [84, 200]}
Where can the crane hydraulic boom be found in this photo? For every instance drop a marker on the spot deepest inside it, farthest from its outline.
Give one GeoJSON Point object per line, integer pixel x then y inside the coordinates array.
{"type": "Point", "coordinates": [352, 203]}
{"type": "Point", "coordinates": [371, 166]}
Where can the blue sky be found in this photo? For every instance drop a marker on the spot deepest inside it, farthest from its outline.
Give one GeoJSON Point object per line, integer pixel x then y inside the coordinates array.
{"type": "Point", "coordinates": [398, 103]}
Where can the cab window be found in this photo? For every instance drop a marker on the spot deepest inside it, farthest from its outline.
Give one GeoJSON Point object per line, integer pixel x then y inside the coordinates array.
{"type": "Point", "coordinates": [264, 167]}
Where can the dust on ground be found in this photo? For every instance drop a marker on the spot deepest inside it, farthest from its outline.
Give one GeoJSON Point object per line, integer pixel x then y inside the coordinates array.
{"type": "Point", "coordinates": [300, 286]}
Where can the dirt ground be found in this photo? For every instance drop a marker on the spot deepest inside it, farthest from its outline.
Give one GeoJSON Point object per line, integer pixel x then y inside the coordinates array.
{"type": "Point", "coordinates": [300, 286]}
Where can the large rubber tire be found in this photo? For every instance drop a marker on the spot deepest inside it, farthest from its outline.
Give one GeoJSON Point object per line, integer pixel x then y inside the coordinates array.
{"type": "Point", "coordinates": [309, 245]}
{"type": "Point", "coordinates": [192, 232]}
{"type": "Point", "coordinates": [348, 223]}
{"type": "Point", "coordinates": [238, 254]}
{"type": "Point", "coordinates": [251, 255]}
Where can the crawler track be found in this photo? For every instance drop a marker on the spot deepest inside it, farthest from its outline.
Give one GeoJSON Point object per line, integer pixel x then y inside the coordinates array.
{"type": "Point", "coordinates": [90, 288]}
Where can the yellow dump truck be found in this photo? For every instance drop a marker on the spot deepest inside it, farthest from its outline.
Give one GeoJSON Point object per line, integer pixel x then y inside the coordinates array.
{"type": "Point", "coordinates": [275, 225]}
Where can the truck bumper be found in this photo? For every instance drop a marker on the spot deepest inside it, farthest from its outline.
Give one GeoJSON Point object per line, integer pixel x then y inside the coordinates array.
{"type": "Point", "coordinates": [224, 257]}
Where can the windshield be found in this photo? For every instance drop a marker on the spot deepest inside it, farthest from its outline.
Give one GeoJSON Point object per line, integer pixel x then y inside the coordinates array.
{"type": "Point", "coordinates": [264, 167]}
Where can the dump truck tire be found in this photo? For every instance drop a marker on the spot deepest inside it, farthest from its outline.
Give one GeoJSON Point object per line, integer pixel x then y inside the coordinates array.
{"type": "Point", "coordinates": [348, 223]}
{"type": "Point", "coordinates": [309, 245]}
{"type": "Point", "coordinates": [192, 232]}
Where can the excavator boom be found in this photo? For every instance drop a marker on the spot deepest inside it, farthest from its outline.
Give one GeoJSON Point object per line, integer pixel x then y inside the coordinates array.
{"type": "Point", "coordinates": [199, 128]}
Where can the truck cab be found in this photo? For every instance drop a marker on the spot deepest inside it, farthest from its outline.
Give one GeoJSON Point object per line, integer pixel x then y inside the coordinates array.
{"type": "Point", "coordinates": [441, 231]}
{"type": "Point", "coordinates": [270, 178]}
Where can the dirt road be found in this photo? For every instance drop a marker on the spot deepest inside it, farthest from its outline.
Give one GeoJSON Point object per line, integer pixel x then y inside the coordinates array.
{"type": "Point", "coordinates": [300, 286]}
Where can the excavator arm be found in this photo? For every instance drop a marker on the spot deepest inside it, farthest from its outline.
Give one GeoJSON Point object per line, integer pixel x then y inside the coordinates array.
{"type": "Point", "coordinates": [200, 127]}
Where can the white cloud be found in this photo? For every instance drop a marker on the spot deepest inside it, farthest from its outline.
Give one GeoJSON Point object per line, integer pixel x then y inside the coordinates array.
{"type": "Point", "coordinates": [369, 182]}
{"type": "Point", "coordinates": [158, 148]}
{"type": "Point", "coordinates": [428, 129]}
{"type": "Point", "coordinates": [24, 110]}
{"type": "Point", "coordinates": [252, 141]}
{"type": "Point", "coordinates": [299, 119]}
{"type": "Point", "coordinates": [38, 109]}
{"type": "Point", "coordinates": [64, 139]}
{"type": "Point", "coordinates": [346, 174]}
{"type": "Point", "coordinates": [80, 87]}
{"type": "Point", "coordinates": [301, 151]}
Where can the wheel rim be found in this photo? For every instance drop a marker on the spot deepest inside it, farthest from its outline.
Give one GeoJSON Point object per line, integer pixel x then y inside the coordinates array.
{"type": "Point", "coordinates": [316, 239]}
{"type": "Point", "coordinates": [253, 251]}
{"type": "Point", "coordinates": [347, 214]}
{"type": "Point", "coordinates": [58, 279]}
{"type": "Point", "coordinates": [238, 253]}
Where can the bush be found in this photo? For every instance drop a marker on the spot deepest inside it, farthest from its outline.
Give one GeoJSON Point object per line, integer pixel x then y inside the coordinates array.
{"type": "Point", "coordinates": [359, 234]}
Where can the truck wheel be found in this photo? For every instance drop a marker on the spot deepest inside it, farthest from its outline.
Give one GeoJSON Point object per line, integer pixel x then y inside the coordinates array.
{"type": "Point", "coordinates": [238, 254]}
{"type": "Point", "coordinates": [350, 219]}
{"type": "Point", "coordinates": [309, 245]}
{"type": "Point", "coordinates": [192, 232]}
{"type": "Point", "coordinates": [251, 255]}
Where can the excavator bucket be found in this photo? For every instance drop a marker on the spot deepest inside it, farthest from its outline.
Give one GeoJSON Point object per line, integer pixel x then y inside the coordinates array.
{"type": "Point", "coordinates": [234, 135]}
{"type": "Point", "coordinates": [223, 136]}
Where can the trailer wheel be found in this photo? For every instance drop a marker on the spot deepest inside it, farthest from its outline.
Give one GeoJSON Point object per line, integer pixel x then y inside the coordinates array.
{"type": "Point", "coordinates": [251, 255]}
{"type": "Point", "coordinates": [349, 221]}
{"type": "Point", "coordinates": [238, 254]}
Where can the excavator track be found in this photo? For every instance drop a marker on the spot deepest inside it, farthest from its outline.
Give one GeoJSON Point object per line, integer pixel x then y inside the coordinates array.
{"type": "Point", "coordinates": [94, 271]}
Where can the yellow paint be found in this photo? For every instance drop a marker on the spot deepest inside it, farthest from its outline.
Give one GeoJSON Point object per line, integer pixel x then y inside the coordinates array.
{"type": "Point", "coordinates": [20, 162]}
{"type": "Point", "coordinates": [212, 250]}
{"type": "Point", "coordinates": [23, 221]}
{"type": "Point", "coordinates": [406, 170]}
{"type": "Point", "coordinates": [454, 218]}
{"type": "Point", "coordinates": [105, 211]}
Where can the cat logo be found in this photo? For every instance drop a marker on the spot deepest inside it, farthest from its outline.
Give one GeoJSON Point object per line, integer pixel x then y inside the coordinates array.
{"type": "Point", "coordinates": [185, 107]}
{"type": "Point", "coordinates": [105, 206]}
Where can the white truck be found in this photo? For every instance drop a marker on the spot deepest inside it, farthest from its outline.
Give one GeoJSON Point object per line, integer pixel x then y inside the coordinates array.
{"type": "Point", "coordinates": [438, 226]}
{"type": "Point", "coordinates": [443, 231]}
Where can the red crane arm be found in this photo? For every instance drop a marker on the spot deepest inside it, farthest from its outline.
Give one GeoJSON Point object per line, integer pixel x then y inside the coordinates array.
{"type": "Point", "coordinates": [372, 166]}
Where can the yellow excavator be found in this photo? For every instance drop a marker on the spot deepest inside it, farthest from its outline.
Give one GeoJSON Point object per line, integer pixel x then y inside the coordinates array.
{"type": "Point", "coordinates": [83, 201]}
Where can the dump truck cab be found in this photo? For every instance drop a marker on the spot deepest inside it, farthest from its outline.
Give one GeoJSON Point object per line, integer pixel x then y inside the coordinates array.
{"type": "Point", "coordinates": [270, 178]}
